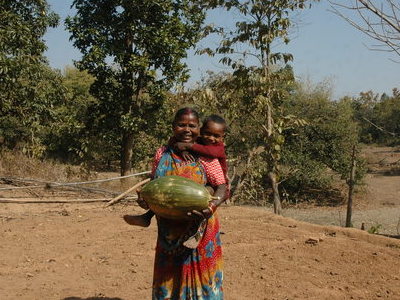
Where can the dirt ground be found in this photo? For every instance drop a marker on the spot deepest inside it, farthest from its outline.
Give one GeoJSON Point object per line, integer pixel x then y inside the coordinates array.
{"type": "Point", "coordinates": [86, 251]}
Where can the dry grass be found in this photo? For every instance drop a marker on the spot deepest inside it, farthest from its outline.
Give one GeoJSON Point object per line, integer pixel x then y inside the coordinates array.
{"type": "Point", "coordinates": [17, 164]}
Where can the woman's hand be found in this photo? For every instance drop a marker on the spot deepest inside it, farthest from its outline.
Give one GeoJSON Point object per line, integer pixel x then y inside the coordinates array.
{"type": "Point", "coordinates": [203, 214]}
{"type": "Point", "coordinates": [199, 215]}
{"type": "Point", "coordinates": [210, 190]}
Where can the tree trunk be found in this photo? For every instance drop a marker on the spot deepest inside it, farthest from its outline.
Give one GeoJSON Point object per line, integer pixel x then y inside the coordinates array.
{"type": "Point", "coordinates": [275, 193]}
{"type": "Point", "coordinates": [272, 164]}
{"type": "Point", "coordinates": [126, 153]}
{"type": "Point", "coordinates": [128, 103]}
{"type": "Point", "coordinates": [351, 188]}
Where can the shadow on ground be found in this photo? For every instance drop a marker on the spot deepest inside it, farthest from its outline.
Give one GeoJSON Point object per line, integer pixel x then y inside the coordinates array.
{"type": "Point", "coordinates": [393, 236]}
{"type": "Point", "coordinates": [329, 197]}
{"type": "Point", "coordinates": [93, 298]}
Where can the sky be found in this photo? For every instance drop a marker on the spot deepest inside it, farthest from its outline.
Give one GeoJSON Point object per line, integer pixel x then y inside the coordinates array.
{"type": "Point", "coordinates": [325, 49]}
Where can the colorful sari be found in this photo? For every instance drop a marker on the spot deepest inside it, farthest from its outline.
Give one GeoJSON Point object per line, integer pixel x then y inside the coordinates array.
{"type": "Point", "coordinates": [181, 273]}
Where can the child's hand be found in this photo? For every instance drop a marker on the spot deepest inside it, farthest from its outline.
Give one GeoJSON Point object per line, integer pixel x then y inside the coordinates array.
{"type": "Point", "coordinates": [140, 201]}
{"type": "Point", "coordinates": [182, 146]}
{"type": "Point", "coordinates": [187, 156]}
{"type": "Point", "coordinates": [143, 204]}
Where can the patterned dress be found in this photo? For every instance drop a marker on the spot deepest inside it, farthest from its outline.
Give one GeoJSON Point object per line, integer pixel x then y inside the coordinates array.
{"type": "Point", "coordinates": [181, 273]}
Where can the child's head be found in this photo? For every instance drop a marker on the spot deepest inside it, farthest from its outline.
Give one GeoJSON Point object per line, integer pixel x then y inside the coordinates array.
{"type": "Point", "coordinates": [213, 130]}
{"type": "Point", "coordinates": [186, 125]}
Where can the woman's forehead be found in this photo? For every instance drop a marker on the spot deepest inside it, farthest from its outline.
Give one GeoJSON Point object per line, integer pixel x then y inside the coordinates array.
{"type": "Point", "coordinates": [189, 117]}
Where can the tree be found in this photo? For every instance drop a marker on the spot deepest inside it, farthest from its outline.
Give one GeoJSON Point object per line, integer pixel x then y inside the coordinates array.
{"type": "Point", "coordinates": [67, 137]}
{"type": "Point", "coordinates": [134, 50]}
{"type": "Point", "coordinates": [378, 116]}
{"type": "Point", "coordinates": [379, 20]}
{"type": "Point", "coordinates": [28, 87]}
{"type": "Point", "coordinates": [23, 24]}
{"type": "Point", "coordinates": [387, 112]}
{"type": "Point", "coordinates": [262, 24]}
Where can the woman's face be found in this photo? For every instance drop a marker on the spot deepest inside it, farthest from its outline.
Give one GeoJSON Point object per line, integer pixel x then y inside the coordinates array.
{"type": "Point", "coordinates": [186, 129]}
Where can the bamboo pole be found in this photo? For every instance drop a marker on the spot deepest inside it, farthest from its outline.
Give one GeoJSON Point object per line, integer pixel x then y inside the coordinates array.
{"type": "Point", "coordinates": [11, 200]}
{"type": "Point", "coordinates": [121, 196]}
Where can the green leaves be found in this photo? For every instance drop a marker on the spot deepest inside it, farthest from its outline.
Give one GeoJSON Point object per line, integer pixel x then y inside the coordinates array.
{"type": "Point", "coordinates": [133, 49]}
{"type": "Point", "coordinates": [261, 25]}
{"type": "Point", "coordinates": [29, 89]}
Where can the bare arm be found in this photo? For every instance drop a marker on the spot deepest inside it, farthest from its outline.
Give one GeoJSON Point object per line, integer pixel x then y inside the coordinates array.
{"type": "Point", "coordinates": [220, 193]}
{"type": "Point", "coordinates": [220, 197]}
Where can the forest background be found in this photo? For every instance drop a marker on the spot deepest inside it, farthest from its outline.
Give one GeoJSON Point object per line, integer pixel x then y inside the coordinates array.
{"type": "Point", "coordinates": [287, 139]}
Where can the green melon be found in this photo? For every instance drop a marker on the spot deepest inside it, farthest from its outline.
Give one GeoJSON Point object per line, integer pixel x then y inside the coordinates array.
{"type": "Point", "coordinates": [173, 197]}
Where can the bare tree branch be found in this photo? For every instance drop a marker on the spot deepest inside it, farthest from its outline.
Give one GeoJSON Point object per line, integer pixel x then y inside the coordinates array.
{"type": "Point", "coordinates": [379, 20]}
{"type": "Point", "coordinates": [379, 128]}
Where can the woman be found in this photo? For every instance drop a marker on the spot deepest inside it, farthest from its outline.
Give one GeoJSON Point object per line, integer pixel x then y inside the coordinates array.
{"type": "Point", "coordinates": [188, 262]}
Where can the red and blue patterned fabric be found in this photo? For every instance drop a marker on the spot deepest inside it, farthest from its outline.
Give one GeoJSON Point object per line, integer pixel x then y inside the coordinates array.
{"type": "Point", "coordinates": [182, 273]}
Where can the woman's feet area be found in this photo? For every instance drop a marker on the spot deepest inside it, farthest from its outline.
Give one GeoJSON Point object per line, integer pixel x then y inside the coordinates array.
{"type": "Point", "coordinates": [141, 221]}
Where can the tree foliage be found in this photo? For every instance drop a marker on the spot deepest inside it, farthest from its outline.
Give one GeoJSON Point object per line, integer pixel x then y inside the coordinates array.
{"type": "Point", "coordinates": [379, 117]}
{"type": "Point", "coordinates": [23, 25]}
{"type": "Point", "coordinates": [134, 50]}
{"type": "Point", "coordinates": [320, 152]}
{"type": "Point", "coordinates": [68, 136]}
{"type": "Point", "coordinates": [314, 138]}
{"type": "Point", "coordinates": [121, 99]}
{"type": "Point", "coordinates": [262, 24]}
{"type": "Point", "coordinates": [28, 87]}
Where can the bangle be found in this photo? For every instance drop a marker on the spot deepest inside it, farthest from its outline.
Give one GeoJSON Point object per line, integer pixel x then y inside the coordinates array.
{"type": "Point", "coordinates": [212, 207]}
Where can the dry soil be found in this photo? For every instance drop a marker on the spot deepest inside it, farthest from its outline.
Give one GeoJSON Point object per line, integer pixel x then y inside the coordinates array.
{"type": "Point", "coordinates": [86, 251]}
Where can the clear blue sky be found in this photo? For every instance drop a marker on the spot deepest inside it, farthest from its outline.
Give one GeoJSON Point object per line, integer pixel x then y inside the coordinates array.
{"type": "Point", "coordinates": [324, 47]}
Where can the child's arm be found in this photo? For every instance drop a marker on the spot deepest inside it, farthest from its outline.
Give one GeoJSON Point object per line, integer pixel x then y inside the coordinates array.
{"type": "Point", "coordinates": [214, 151]}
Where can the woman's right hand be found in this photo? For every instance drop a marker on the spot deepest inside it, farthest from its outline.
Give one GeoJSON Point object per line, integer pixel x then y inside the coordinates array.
{"type": "Point", "coordinates": [200, 215]}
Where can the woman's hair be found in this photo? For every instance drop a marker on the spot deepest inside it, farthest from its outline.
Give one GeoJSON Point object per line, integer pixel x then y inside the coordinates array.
{"type": "Point", "coordinates": [185, 111]}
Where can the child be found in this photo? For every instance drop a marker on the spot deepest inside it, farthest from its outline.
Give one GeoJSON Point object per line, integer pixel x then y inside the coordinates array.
{"type": "Point", "coordinates": [211, 142]}
{"type": "Point", "coordinates": [210, 145]}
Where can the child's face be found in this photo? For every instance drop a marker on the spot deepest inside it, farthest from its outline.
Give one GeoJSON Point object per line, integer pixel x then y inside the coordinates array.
{"type": "Point", "coordinates": [212, 133]}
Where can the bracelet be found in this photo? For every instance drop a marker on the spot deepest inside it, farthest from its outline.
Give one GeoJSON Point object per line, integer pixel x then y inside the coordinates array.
{"type": "Point", "coordinates": [212, 207]}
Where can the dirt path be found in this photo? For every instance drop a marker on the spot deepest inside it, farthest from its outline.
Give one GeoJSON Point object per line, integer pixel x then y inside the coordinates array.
{"type": "Point", "coordinates": [87, 252]}
{"type": "Point", "coordinates": [73, 252]}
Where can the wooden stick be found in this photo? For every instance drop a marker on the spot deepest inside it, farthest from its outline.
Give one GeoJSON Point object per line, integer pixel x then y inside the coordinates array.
{"type": "Point", "coordinates": [121, 196]}
{"type": "Point", "coordinates": [11, 200]}
{"type": "Point", "coordinates": [64, 186]}
{"type": "Point", "coordinates": [72, 183]}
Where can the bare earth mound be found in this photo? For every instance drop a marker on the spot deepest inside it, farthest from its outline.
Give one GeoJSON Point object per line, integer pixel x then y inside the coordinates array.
{"type": "Point", "coordinates": [74, 252]}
